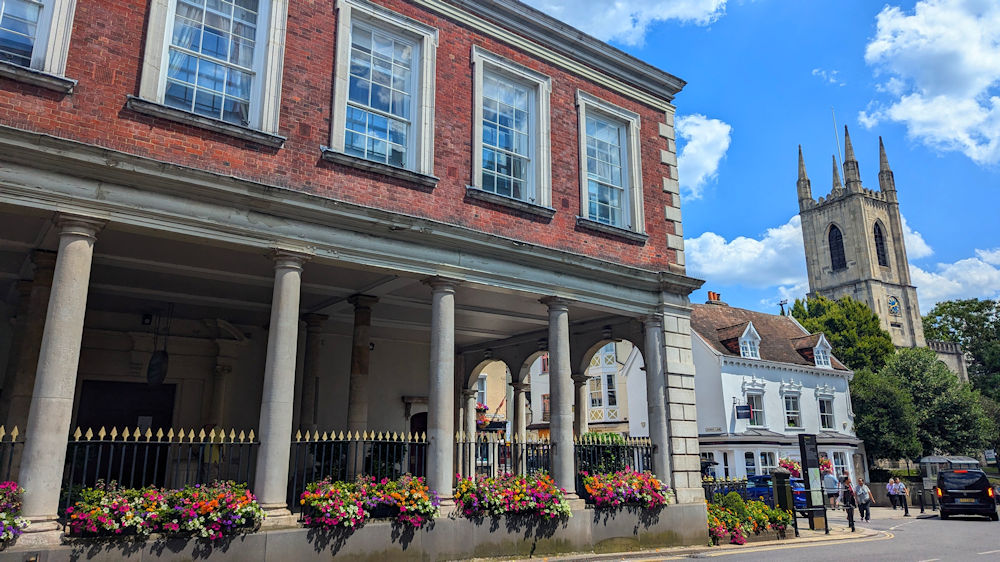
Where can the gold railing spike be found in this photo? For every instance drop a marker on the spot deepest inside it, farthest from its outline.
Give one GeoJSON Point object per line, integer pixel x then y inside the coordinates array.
{"type": "Point", "coordinates": [77, 434]}
{"type": "Point", "coordinates": [211, 434]}
{"type": "Point", "coordinates": [459, 436]}
{"type": "Point", "coordinates": [395, 437]}
{"type": "Point", "coordinates": [380, 436]}
{"type": "Point", "coordinates": [201, 434]}
{"type": "Point", "coordinates": [322, 437]}
{"type": "Point", "coordinates": [125, 433]}
{"type": "Point", "coordinates": [89, 435]}
{"type": "Point", "coordinates": [232, 435]}
{"type": "Point", "coordinates": [409, 436]}
{"type": "Point", "coordinates": [3, 431]}
{"type": "Point", "coordinates": [170, 434]}
{"type": "Point", "coordinates": [340, 436]}
{"type": "Point", "coordinates": [250, 436]}
{"type": "Point", "coordinates": [298, 435]}
{"type": "Point", "coordinates": [423, 436]}
{"type": "Point", "coordinates": [114, 433]}
{"type": "Point", "coordinates": [191, 435]}
{"type": "Point", "coordinates": [243, 436]}
{"type": "Point", "coordinates": [101, 433]}
{"type": "Point", "coordinates": [14, 433]}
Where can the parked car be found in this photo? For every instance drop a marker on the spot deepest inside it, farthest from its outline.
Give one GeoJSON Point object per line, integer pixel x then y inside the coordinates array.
{"type": "Point", "coordinates": [762, 486]}
{"type": "Point", "coordinates": [966, 492]}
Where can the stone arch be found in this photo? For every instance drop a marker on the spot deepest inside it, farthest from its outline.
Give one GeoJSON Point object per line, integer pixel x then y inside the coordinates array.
{"type": "Point", "coordinates": [835, 239]}
{"type": "Point", "coordinates": [881, 248]}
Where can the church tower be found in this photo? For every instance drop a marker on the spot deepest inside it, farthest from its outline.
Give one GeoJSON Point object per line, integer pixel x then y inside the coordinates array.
{"type": "Point", "coordinates": [854, 246]}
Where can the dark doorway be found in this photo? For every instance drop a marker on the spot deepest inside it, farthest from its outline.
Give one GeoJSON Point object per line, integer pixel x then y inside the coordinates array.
{"type": "Point", "coordinates": [125, 404]}
{"type": "Point", "coordinates": [133, 462]}
{"type": "Point", "coordinates": [418, 452]}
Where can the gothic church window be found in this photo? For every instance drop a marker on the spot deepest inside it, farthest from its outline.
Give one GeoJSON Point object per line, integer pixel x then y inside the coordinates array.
{"type": "Point", "coordinates": [883, 257]}
{"type": "Point", "coordinates": [837, 259]}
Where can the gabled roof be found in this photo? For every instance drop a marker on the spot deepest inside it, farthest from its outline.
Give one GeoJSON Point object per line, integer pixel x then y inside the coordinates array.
{"type": "Point", "coordinates": [781, 338]}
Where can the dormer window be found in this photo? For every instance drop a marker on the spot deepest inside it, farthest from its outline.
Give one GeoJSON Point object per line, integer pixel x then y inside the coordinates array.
{"type": "Point", "coordinates": [821, 353]}
{"type": "Point", "coordinates": [750, 343]}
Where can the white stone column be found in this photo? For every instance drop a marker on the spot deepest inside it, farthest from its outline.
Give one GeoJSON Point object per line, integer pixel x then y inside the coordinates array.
{"type": "Point", "coordinates": [581, 410]}
{"type": "Point", "coordinates": [685, 460]}
{"type": "Point", "coordinates": [520, 425]}
{"type": "Point", "coordinates": [55, 380]}
{"type": "Point", "coordinates": [277, 401]}
{"type": "Point", "coordinates": [357, 404]}
{"type": "Point", "coordinates": [441, 394]}
{"type": "Point", "coordinates": [656, 406]}
{"type": "Point", "coordinates": [560, 395]}
{"type": "Point", "coordinates": [312, 370]}
{"type": "Point", "coordinates": [469, 411]}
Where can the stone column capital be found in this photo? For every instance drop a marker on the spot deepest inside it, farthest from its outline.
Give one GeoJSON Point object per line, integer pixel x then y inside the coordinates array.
{"type": "Point", "coordinates": [362, 301]}
{"type": "Point", "coordinates": [76, 225]}
{"type": "Point", "coordinates": [289, 259]}
{"type": "Point", "coordinates": [520, 386]}
{"type": "Point", "coordinates": [469, 393]}
{"type": "Point", "coordinates": [441, 283]}
{"type": "Point", "coordinates": [555, 303]}
{"type": "Point", "coordinates": [314, 321]}
{"type": "Point", "coordinates": [580, 379]}
{"type": "Point", "coordinates": [652, 320]}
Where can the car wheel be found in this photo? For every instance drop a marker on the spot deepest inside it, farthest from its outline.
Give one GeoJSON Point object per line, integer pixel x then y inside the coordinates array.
{"type": "Point", "coordinates": [943, 514]}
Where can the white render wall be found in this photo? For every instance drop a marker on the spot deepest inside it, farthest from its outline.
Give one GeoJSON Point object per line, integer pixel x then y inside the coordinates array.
{"type": "Point", "coordinates": [721, 379]}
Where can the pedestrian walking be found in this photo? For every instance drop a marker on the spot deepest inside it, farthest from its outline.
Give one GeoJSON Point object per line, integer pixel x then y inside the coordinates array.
{"type": "Point", "coordinates": [864, 497]}
{"type": "Point", "coordinates": [849, 501]}
{"type": "Point", "coordinates": [890, 490]}
{"type": "Point", "coordinates": [831, 486]}
{"type": "Point", "coordinates": [902, 493]}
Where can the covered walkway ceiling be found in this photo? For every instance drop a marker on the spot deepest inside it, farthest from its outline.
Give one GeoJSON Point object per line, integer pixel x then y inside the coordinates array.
{"type": "Point", "coordinates": [139, 272]}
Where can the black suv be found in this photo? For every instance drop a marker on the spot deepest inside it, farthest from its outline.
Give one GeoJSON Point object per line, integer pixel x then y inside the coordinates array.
{"type": "Point", "coordinates": [965, 492]}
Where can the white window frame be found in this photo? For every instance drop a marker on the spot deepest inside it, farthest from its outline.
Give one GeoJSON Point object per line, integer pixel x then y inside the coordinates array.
{"type": "Point", "coordinates": [763, 419]}
{"type": "Point", "coordinates": [753, 460]}
{"type": "Point", "coordinates": [265, 99]}
{"type": "Point", "coordinates": [821, 353]}
{"type": "Point", "coordinates": [840, 469]}
{"type": "Point", "coordinates": [420, 147]}
{"type": "Point", "coordinates": [632, 208]}
{"type": "Point", "coordinates": [539, 182]}
{"type": "Point", "coordinates": [768, 462]}
{"type": "Point", "coordinates": [750, 343]}
{"type": "Point", "coordinates": [832, 415]}
{"type": "Point", "coordinates": [797, 412]}
{"type": "Point", "coordinates": [51, 47]}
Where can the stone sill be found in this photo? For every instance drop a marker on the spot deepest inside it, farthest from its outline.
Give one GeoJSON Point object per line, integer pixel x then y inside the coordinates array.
{"type": "Point", "coordinates": [36, 78]}
{"type": "Point", "coordinates": [473, 192]}
{"type": "Point", "coordinates": [155, 109]}
{"type": "Point", "coordinates": [424, 180]}
{"type": "Point", "coordinates": [611, 230]}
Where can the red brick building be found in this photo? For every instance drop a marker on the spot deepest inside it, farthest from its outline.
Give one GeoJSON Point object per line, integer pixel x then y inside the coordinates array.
{"type": "Point", "coordinates": [301, 201]}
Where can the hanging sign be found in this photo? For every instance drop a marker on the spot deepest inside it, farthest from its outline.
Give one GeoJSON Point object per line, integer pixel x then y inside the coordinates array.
{"type": "Point", "coordinates": [742, 412]}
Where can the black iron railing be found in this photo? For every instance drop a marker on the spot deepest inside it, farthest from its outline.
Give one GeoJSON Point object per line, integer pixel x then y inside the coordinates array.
{"type": "Point", "coordinates": [496, 453]}
{"type": "Point", "coordinates": [722, 486]}
{"type": "Point", "coordinates": [606, 453]}
{"type": "Point", "coordinates": [136, 458]}
{"type": "Point", "coordinates": [11, 447]}
{"type": "Point", "coordinates": [316, 456]}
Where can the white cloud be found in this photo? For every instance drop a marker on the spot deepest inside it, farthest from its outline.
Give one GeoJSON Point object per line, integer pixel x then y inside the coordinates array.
{"type": "Point", "coordinates": [916, 247]}
{"type": "Point", "coordinates": [706, 142]}
{"type": "Point", "coordinates": [776, 259]}
{"type": "Point", "coordinates": [977, 277]}
{"type": "Point", "coordinates": [627, 20]}
{"type": "Point", "coordinates": [943, 67]}
{"type": "Point", "coordinates": [828, 76]}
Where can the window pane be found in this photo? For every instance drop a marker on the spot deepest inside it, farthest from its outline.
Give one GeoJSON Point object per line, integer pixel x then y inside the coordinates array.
{"type": "Point", "coordinates": [18, 29]}
{"type": "Point", "coordinates": [606, 179]}
{"type": "Point", "coordinates": [505, 107]}
{"type": "Point", "coordinates": [212, 49]}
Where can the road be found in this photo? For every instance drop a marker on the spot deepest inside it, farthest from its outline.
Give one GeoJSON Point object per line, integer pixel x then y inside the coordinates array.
{"type": "Point", "coordinates": [922, 538]}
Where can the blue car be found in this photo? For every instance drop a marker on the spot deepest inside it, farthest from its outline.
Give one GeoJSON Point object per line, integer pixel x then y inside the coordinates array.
{"type": "Point", "coordinates": [762, 486]}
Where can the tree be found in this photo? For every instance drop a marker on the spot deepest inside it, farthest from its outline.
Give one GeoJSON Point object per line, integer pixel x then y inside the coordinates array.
{"type": "Point", "coordinates": [884, 417]}
{"type": "Point", "coordinates": [853, 330]}
{"type": "Point", "coordinates": [950, 415]}
{"type": "Point", "coordinates": [975, 324]}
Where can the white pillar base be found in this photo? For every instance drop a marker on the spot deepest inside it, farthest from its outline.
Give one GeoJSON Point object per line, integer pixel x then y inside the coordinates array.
{"type": "Point", "coordinates": [277, 516]}
{"type": "Point", "coordinates": [44, 531]}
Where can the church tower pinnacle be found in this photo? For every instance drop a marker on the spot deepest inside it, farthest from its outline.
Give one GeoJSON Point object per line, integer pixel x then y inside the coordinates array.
{"type": "Point", "coordinates": [851, 174]}
{"type": "Point", "coordinates": [886, 182]}
{"type": "Point", "coordinates": [803, 184]}
{"type": "Point", "coordinates": [836, 174]}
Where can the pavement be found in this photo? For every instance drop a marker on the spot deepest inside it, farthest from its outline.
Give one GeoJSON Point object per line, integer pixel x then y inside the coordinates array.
{"type": "Point", "coordinates": [840, 544]}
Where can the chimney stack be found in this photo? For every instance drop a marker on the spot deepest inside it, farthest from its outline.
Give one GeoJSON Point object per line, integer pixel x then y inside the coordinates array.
{"type": "Point", "coordinates": [715, 298]}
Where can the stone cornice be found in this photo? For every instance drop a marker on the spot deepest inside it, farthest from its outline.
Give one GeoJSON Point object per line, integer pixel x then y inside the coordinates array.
{"type": "Point", "coordinates": [562, 45]}
{"type": "Point", "coordinates": [196, 202]}
{"type": "Point", "coordinates": [728, 360]}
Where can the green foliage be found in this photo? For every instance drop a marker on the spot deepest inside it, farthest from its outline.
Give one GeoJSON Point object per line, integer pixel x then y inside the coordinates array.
{"type": "Point", "coordinates": [885, 416]}
{"type": "Point", "coordinates": [975, 324]}
{"type": "Point", "coordinates": [602, 453]}
{"type": "Point", "coordinates": [853, 330]}
{"type": "Point", "coordinates": [950, 414]}
{"type": "Point", "coordinates": [734, 502]}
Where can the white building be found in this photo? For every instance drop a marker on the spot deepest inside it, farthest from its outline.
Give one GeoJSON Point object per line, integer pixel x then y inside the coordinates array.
{"type": "Point", "coordinates": [788, 378]}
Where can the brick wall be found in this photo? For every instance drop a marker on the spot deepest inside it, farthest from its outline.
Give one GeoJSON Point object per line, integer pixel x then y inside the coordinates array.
{"type": "Point", "coordinates": [105, 57]}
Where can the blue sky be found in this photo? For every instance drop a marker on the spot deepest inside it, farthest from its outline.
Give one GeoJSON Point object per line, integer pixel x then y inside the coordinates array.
{"type": "Point", "coordinates": [763, 77]}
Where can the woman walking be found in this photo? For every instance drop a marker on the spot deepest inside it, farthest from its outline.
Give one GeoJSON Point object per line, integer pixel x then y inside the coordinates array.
{"type": "Point", "coordinates": [890, 490]}
{"type": "Point", "coordinates": [849, 501]}
{"type": "Point", "coordinates": [864, 497]}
